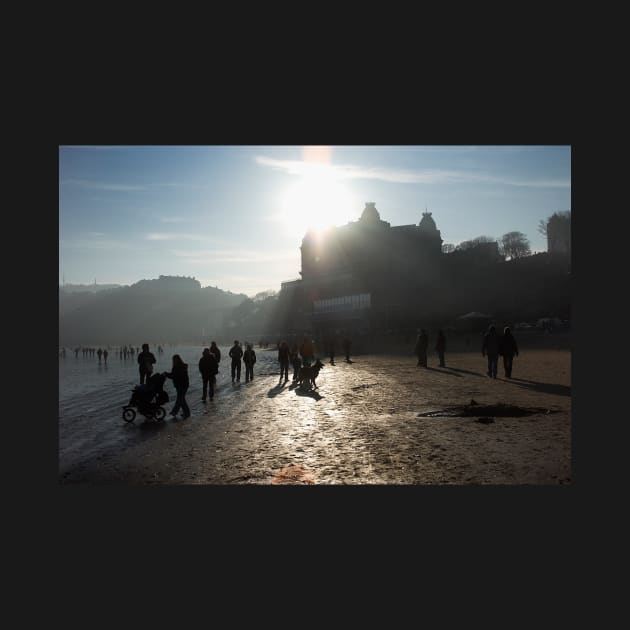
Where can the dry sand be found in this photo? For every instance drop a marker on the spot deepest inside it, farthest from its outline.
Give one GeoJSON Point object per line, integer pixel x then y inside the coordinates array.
{"type": "Point", "coordinates": [362, 426]}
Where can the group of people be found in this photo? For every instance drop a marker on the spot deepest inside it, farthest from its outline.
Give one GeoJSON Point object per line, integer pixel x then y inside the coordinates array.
{"type": "Point", "coordinates": [492, 347]}
{"type": "Point", "coordinates": [248, 357]}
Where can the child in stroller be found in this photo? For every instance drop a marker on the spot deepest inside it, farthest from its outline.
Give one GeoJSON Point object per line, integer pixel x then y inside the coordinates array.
{"type": "Point", "coordinates": [148, 399]}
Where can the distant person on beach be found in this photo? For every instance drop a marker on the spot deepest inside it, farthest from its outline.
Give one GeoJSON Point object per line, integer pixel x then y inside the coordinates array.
{"type": "Point", "coordinates": [146, 360]}
{"type": "Point", "coordinates": [295, 361]}
{"type": "Point", "coordinates": [215, 350]}
{"type": "Point", "coordinates": [490, 347]}
{"type": "Point", "coordinates": [440, 346]}
{"type": "Point", "coordinates": [249, 358]}
{"type": "Point", "coordinates": [105, 353]}
{"type": "Point", "coordinates": [346, 348]}
{"type": "Point", "coordinates": [179, 375]}
{"type": "Point", "coordinates": [508, 348]}
{"type": "Point", "coordinates": [422, 343]}
{"type": "Point", "coordinates": [236, 354]}
{"type": "Point", "coordinates": [284, 357]}
{"type": "Point", "coordinates": [100, 354]}
{"type": "Point", "coordinates": [208, 367]}
{"type": "Point", "coordinates": [331, 349]}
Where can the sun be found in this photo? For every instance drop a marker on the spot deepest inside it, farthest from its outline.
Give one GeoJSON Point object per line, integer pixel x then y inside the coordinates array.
{"type": "Point", "coordinates": [316, 201]}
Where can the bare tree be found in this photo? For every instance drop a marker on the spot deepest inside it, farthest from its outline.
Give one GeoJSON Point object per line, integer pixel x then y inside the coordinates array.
{"type": "Point", "coordinates": [447, 248]}
{"type": "Point", "coordinates": [515, 245]}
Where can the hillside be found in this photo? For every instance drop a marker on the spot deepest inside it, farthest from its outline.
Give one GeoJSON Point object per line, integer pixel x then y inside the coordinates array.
{"type": "Point", "coordinates": [169, 309]}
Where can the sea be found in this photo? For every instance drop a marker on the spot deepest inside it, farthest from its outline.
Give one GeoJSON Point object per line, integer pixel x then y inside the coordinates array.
{"type": "Point", "coordinates": [92, 395]}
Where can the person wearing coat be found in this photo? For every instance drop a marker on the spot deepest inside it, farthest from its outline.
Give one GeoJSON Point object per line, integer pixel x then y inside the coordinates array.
{"type": "Point", "coordinates": [508, 349]}
{"type": "Point", "coordinates": [236, 354]}
{"type": "Point", "coordinates": [208, 368]}
{"type": "Point", "coordinates": [422, 344]}
{"type": "Point", "coordinates": [179, 375]}
{"type": "Point", "coordinates": [490, 347]}
{"type": "Point", "coordinates": [249, 358]}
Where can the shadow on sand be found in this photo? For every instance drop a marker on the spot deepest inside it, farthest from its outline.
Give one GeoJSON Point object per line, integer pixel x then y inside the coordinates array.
{"type": "Point", "coordinates": [311, 393]}
{"type": "Point", "coordinates": [274, 391]}
{"type": "Point", "coordinates": [544, 388]}
{"type": "Point", "coordinates": [468, 372]}
{"type": "Point", "coordinates": [444, 370]}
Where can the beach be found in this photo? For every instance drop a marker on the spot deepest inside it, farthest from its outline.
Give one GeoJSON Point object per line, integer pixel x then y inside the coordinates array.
{"type": "Point", "coordinates": [378, 420]}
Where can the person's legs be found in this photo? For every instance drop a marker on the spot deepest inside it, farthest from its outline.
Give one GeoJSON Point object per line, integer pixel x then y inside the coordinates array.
{"type": "Point", "coordinates": [238, 371]}
{"type": "Point", "coordinates": [142, 377]}
{"type": "Point", "coordinates": [494, 365]}
{"type": "Point", "coordinates": [441, 355]}
{"type": "Point", "coordinates": [178, 403]}
{"type": "Point", "coordinates": [212, 383]}
{"type": "Point", "coordinates": [184, 404]}
{"type": "Point", "coordinates": [489, 365]}
{"type": "Point", "coordinates": [233, 370]}
{"type": "Point", "coordinates": [507, 366]}
{"type": "Point", "coordinates": [205, 388]}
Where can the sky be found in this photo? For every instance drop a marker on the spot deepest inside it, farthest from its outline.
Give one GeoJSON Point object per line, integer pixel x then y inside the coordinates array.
{"type": "Point", "coordinates": [234, 216]}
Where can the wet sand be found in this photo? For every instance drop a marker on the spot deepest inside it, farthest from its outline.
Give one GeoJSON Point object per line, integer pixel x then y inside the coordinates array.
{"type": "Point", "coordinates": [363, 425]}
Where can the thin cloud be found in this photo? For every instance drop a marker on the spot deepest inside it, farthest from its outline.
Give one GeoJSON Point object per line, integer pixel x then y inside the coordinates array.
{"type": "Point", "coordinates": [400, 176]}
{"type": "Point", "coordinates": [177, 236]}
{"type": "Point", "coordinates": [84, 183]}
{"type": "Point", "coordinates": [233, 256]}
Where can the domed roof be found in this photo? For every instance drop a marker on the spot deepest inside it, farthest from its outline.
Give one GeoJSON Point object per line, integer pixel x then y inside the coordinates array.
{"type": "Point", "coordinates": [370, 213]}
{"type": "Point", "coordinates": [427, 224]}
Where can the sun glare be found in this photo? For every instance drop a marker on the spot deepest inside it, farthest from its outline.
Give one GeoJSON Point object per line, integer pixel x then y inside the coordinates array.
{"type": "Point", "coordinates": [317, 201]}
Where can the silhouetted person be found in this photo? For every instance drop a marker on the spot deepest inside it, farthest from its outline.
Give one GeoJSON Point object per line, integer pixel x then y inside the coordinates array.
{"type": "Point", "coordinates": [105, 353]}
{"type": "Point", "coordinates": [249, 358]}
{"type": "Point", "coordinates": [295, 361]}
{"type": "Point", "coordinates": [331, 349]}
{"type": "Point", "coordinates": [307, 351]}
{"type": "Point", "coordinates": [508, 348]}
{"type": "Point", "coordinates": [284, 357]}
{"type": "Point", "coordinates": [76, 353]}
{"type": "Point", "coordinates": [146, 360]}
{"type": "Point", "coordinates": [490, 347]}
{"type": "Point", "coordinates": [179, 374]}
{"type": "Point", "coordinates": [440, 346]}
{"type": "Point", "coordinates": [422, 343]}
{"type": "Point", "coordinates": [236, 353]}
{"type": "Point", "coordinates": [208, 367]}
{"type": "Point", "coordinates": [215, 350]}
{"type": "Point", "coordinates": [346, 348]}
{"type": "Point", "coordinates": [100, 353]}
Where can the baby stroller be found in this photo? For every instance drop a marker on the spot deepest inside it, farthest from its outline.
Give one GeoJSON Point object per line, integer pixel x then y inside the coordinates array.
{"type": "Point", "coordinates": [147, 399]}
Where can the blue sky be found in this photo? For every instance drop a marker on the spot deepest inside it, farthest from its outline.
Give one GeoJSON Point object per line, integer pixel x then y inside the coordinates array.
{"type": "Point", "coordinates": [234, 216]}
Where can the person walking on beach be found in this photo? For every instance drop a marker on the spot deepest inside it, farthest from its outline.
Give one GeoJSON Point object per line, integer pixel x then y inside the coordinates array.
{"type": "Point", "coordinates": [236, 353]}
{"type": "Point", "coordinates": [208, 367]}
{"type": "Point", "coordinates": [284, 357]}
{"type": "Point", "coordinates": [179, 375]}
{"type": "Point", "coordinates": [215, 350]}
{"type": "Point", "coordinates": [146, 360]}
{"type": "Point", "coordinates": [508, 348]}
{"type": "Point", "coordinates": [330, 342]}
{"type": "Point", "coordinates": [346, 348]}
{"type": "Point", "coordinates": [295, 361]}
{"type": "Point", "coordinates": [100, 353]}
{"type": "Point", "coordinates": [440, 347]}
{"type": "Point", "coordinates": [249, 358]}
{"type": "Point", "coordinates": [422, 343]}
{"type": "Point", "coordinates": [105, 353]}
{"type": "Point", "coordinates": [490, 347]}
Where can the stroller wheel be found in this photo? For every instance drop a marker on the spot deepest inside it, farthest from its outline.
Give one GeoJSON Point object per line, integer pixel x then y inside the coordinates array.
{"type": "Point", "coordinates": [129, 414]}
{"type": "Point", "coordinates": [159, 413]}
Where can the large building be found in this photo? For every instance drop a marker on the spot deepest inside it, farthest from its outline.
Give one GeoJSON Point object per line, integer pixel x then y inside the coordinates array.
{"type": "Point", "coordinates": [365, 275]}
